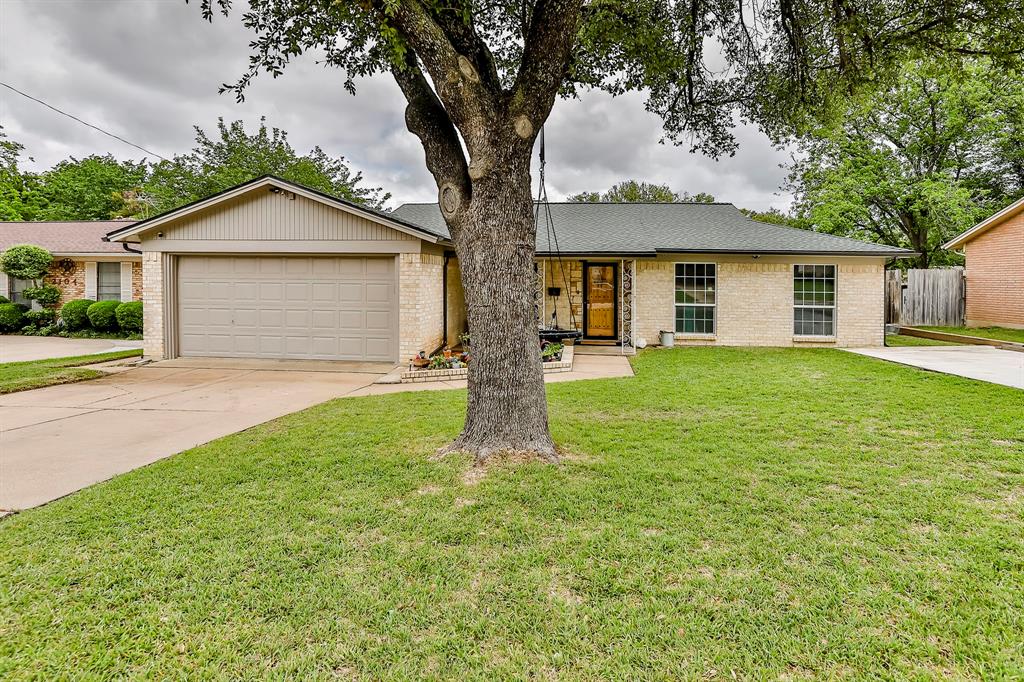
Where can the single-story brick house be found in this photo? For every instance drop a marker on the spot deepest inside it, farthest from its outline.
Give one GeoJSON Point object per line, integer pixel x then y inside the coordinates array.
{"type": "Point", "coordinates": [994, 249]}
{"type": "Point", "coordinates": [85, 264]}
{"type": "Point", "coordinates": [270, 269]}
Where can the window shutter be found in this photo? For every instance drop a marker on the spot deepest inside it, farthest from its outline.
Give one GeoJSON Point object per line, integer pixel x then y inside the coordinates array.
{"type": "Point", "coordinates": [4, 291]}
{"type": "Point", "coordinates": [90, 280]}
{"type": "Point", "coordinates": [126, 280]}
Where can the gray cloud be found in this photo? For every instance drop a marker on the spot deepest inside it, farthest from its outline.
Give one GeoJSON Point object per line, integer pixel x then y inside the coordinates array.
{"type": "Point", "coordinates": [149, 71]}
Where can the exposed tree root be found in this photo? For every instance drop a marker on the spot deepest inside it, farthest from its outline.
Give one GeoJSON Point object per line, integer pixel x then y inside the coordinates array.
{"type": "Point", "coordinates": [486, 454]}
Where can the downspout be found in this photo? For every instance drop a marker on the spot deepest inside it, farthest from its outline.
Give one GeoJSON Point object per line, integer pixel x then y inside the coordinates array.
{"type": "Point", "coordinates": [129, 249]}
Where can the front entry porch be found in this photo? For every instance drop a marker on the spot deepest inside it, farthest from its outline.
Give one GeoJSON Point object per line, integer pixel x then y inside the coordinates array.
{"type": "Point", "coordinates": [594, 297]}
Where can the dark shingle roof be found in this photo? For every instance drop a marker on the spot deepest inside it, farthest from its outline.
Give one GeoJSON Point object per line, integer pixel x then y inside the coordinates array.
{"type": "Point", "coordinates": [63, 237]}
{"type": "Point", "coordinates": [644, 229]}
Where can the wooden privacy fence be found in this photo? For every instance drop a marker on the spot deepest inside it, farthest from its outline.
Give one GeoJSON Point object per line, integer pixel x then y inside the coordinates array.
{"type": "Point", "coordinates": [932, 297]}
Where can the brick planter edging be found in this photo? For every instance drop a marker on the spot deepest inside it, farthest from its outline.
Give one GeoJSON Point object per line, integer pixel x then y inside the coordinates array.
{"type": "Point", "coordinates": [411, 376]}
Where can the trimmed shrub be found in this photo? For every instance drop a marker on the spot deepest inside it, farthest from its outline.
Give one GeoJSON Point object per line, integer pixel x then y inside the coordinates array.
{"type": "Point", "coordinates": [11, 317]}
{"type": "Point", "coordinates": [4, 299]}
{"type": "Point", "coordinates": [103, 315]}
{"type": "Point", "coordinates": [26, 261]}
{"type": "Point", "coordinates": [43, 317]}
{"type": "Point", "coordinates": [74, 313]}
{"type": "Point", "coordinates": [47, 295]}
{"type": "Point", "coordinates": [129, 317]}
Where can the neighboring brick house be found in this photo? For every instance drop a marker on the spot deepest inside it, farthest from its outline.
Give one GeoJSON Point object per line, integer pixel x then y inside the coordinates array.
{"type": "Point", "coordinates": [84, 264]}
{"type": "Point", "coordinates": [994, 249]}
{"type": "Point", "coordinates": [271, 269]}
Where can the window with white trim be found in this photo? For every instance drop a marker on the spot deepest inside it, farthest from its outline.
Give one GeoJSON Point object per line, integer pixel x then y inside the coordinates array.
{"type": "Point", "coordinates": [16, 290]}
{"type": "Point", "coordinates": [108, 281]}
{"type": "Point", "coordinates": [814, 300]}
{"type": "Point", "coordinates": [695, 298]}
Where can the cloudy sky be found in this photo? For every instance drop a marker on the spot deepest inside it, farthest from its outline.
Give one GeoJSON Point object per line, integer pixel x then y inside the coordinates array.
{"type": "Point", "coordinates": [148, 70]}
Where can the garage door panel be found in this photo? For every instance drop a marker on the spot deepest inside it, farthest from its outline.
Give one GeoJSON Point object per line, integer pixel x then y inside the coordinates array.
{"type": "Point", "coordinates": [271, 291]}
{"type": "Point", "coordinates": [350, 320]}
{"type": "Point", "coordinates": [270, 266]}
{"type": "Point", "coordinates": [288, 307]}
{"type": "Point", "coordinates": [380, 268]}
{"type": "Point", "coordinates": [324, 319]}
{"type": "Point", "coordinates": [324, 291]}
{"type": "Point", "coordinates": [297, 319]}
{"type": "Point", "coordinates": [378, 321]}
{"type": "Point", "coordinates": [246, 291]}
{"type": "Point", "coordinates": [378, 292]}
{"type": "Point", "coordinates": [245, 317]}
{"type": "Point", "coordinates": [350, 291]}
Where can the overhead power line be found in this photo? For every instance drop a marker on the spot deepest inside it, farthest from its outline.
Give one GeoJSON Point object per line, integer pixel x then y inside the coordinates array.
{"type": "Point", "coordinates": [85, 123]}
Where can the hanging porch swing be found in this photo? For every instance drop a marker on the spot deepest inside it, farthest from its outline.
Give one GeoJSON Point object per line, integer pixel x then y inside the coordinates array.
{"type": "Point", "coordinates": [552, 332]}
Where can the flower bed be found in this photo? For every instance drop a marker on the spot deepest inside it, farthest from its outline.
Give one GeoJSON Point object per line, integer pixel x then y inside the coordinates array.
{"type": "Point", "coordinates": [415, 375]}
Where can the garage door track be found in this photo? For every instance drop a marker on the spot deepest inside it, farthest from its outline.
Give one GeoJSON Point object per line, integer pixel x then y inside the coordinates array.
{"type": "Point", "coordinates": [56, 440]}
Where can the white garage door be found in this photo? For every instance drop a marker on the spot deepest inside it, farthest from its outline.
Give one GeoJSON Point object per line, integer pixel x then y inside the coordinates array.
{"type": "Point", "coordinates": [288, 307]}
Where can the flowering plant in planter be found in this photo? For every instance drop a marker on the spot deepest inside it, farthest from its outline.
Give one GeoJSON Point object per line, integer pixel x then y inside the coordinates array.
{"type": "Point", "coordinates": [551, 351]}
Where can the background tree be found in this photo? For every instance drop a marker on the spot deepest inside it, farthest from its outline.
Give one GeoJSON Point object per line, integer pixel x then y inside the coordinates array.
{"type": "Point", "coordinates": [90, 188]}
{"type": "Point", "coordinates": [480, 80]}
{"type": "Point", "coordinates": [918, 162]}
{"type": "Point", "coordinates": [634, 191]}
{"type": "Point", "coordinates": [17, 197]}
{"type": "Point", "coordinates": [234, 156]}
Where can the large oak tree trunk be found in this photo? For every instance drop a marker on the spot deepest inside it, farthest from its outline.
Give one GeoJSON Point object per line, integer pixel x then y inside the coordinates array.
{"type": "Point", "coordinates": [507, 410]}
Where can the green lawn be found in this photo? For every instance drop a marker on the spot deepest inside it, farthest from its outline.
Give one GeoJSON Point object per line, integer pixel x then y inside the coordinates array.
{"type": "Point", "coordinates": [898, 340]}
{"type": "Point", "coordinates": [985, 332]}
{"type": "Point", "coordinates": [21, 376]}
{"type": "Point", "coordinates": [752, 513]}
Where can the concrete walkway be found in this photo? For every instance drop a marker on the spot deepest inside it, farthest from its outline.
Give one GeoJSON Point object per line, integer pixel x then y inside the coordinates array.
{"type": "Point", "coordinates": [22, 348]}
{"type": "Point", "coordinates": [984, 363]}
{"type": "Point", "coordinates": [56, 440]}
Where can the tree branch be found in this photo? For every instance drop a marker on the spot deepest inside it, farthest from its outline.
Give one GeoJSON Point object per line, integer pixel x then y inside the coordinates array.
{"type": "Point", "coordinates": [428, 120]}
{"type": "Point", "coordinates": [548, 47]}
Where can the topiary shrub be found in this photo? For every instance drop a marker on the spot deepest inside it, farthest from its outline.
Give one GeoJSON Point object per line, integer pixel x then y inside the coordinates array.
{"type": "Point", "coordinates": [26, 261]}
{"type": "Point", "coordinates": [11, 317]}
{"type": "Point", "coordinates": [47, 295]}
{"type": "Point", "coordinates": [103, 315]}
{"type": "Point", "coordinates": [74, 313]}
{"type": "Point", "coordinates": [129, 317]}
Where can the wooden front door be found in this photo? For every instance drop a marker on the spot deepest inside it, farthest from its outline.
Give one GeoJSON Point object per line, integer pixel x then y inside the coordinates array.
{"type": "Point", "coordinates": [600, 301]}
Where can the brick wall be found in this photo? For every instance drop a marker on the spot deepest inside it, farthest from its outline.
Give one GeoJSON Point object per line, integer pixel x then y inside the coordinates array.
{"type": "Point", "coordinates": [152, 305]}
{"type": "Point", "coordinates": [558, 275]}
{"type": "Point", "coordinates": [421, 295]}
{"type": "Point", "coordinates": [995, 275]}
{"type": "Point", "coordinates": [137, 281]}
{"type": "Point", "coordinates": [72, 281]}
{"type": "Point", "coordinates": [755, 302]}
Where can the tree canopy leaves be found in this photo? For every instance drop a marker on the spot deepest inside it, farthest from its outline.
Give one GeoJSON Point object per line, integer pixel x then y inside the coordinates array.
{"type": "Point", "coordinates": [102, 187]}
{"type": "Point", "coordinates": [635, 191]}
{"type": "Point", "coordinates": [919, 162]}
{"type": "Point", "coordinates": [785, 65]}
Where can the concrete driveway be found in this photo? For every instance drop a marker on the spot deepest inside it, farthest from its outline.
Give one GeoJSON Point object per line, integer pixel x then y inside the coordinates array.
{"type": "Point", "coordinates": [21, 348]}
{"type": "Point", "coordinates": [984, 363]}
{"type": "Point", "coordinates": [56, 440]}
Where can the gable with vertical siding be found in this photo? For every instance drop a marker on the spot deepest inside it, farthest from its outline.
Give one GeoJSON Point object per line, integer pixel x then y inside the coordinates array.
{"type": "Point", "coordinates": [264, 215]}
